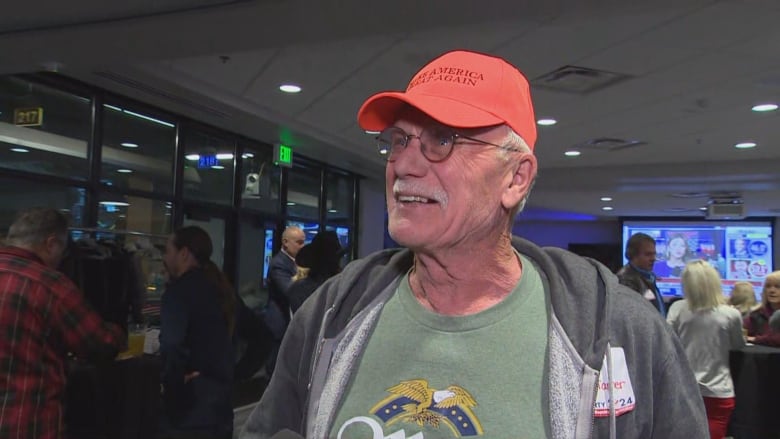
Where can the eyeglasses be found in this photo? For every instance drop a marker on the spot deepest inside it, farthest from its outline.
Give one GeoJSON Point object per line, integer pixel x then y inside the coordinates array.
{"type": "Point", "coordinates": [436, 142]}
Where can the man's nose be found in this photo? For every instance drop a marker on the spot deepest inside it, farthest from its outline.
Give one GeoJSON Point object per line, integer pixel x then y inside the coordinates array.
{"type": "Point", "coordinates": [411, 160]}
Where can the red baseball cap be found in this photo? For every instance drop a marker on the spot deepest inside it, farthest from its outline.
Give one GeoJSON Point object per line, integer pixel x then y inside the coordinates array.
{"type": "Point", "coordinates": [461, 89]}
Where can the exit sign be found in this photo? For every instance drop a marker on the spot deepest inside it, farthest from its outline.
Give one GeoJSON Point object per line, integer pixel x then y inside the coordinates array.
{"type": "Point", "coordinates": [28, 117]}
{"type": "Point", "coordinates": [283, 155]}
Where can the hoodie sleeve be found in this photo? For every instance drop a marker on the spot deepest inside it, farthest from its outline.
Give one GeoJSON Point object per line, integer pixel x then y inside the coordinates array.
{"type": "Point", "coordinates": [283, 404]}
{"type": "Point", "coordinates": [668, 400]}
{"type": "Point", "coordinates": [678, 412]}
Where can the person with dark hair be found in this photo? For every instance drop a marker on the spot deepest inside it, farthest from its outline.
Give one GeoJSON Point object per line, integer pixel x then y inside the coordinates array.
{"type": "Point", "coordinates": [638, 273]}
{"type": "Point", "coordinates": [43, 316]}
{"type": "Point", "coordinates": [197, 322]}
{"type": "Point", "coordinates": [321, 259]}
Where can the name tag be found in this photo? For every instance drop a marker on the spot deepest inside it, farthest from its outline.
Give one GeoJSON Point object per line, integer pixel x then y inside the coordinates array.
{"type": "Point", "coordinates": [620, 390]}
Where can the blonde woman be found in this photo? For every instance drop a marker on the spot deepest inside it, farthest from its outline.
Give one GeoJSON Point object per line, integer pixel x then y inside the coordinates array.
{"type": "Point", "coordinates": [708, 330]}
{"type": "Point", "coordinates": [757, 322]}
{"type": "Point", "coordinates": [743, 298]}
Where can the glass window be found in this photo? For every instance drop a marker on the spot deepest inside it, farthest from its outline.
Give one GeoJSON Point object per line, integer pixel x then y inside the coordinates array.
{"type": "Point", "coordinates": [21, 194]}
{"type": "Point", "coordinates": [340, 192]}
{"type": "Point", "coordinates": [344, 240]}
{"type": "Point", "coordinates": [138, 150]}
{"type": "Point", "coordinates": [259, 181]}
{"type": "Point", "coordinates": [303, 193]}
{"type": "Point", "coordinates": [215, 227]}
{"type": "Point", "coordinates": [43, 130]}
{"type": "Point", "coordinates": [137, 214]}
{"type": "Point", "coordinates": [255, 250]}
{"type": "Point", "coordinates": [208, 168]}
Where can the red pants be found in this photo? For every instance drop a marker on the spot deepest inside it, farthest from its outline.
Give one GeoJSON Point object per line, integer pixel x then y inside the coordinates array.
{"type": "Point", "coordinates": [718, 414]}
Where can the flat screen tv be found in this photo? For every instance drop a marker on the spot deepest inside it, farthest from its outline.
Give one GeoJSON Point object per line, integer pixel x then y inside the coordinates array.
{"type": "Point", "coordinates": [739, 250]}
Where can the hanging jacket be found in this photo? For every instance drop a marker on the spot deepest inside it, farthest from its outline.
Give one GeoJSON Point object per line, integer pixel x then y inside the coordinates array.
{"type": "Point", "coordinates": [594, 322]}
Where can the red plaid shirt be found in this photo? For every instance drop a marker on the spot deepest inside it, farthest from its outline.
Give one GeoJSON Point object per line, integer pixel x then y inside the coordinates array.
{"type": "Point", "coordinates": [43, 316]}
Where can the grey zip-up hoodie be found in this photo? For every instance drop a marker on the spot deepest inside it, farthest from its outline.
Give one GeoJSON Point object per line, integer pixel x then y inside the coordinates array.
{"type": "Point", "coordinates": [591, 311]}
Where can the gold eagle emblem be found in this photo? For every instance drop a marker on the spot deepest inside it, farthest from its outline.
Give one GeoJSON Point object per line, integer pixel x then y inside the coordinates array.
{"type": "Point", "coordinates": [424, 396]}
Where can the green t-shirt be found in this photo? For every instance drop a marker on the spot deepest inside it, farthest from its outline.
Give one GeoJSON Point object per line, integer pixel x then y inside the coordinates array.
{"type": "Point", "coordinates": [481, 375]}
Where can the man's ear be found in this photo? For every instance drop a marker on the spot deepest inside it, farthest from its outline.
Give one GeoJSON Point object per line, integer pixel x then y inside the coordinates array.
{"type": "Point", "coordinates": [51, 243]}
{"type": "Point", "coordinates": [520, 184]}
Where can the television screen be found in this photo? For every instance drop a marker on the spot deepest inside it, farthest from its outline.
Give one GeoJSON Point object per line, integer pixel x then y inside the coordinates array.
{"type": "Point", "coordinates": [268, 249]}
{"type": "Point", "coordinates": [739, 250]}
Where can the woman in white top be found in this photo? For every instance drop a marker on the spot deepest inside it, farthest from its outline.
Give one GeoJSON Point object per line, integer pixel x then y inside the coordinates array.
{"type": "Point", "coordinates": [708, 329]}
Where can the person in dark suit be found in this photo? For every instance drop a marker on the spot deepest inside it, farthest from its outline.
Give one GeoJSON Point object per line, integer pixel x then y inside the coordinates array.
{"type": "Point", "coordinates": [638, 273]}
{"type": "Point", "coordinates": [283, 268]}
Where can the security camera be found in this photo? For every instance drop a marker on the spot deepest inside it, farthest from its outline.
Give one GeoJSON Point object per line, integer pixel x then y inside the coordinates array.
{"type": "Point", "coordinates": [252, 184]}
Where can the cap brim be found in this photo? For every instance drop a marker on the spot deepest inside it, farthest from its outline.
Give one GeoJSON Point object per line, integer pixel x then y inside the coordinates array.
{"type": "Point", "coordinates": [381, 110]}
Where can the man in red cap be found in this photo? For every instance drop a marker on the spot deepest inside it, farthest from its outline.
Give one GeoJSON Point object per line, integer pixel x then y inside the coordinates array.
{"type": "Point", "coordinates": [470, 331]}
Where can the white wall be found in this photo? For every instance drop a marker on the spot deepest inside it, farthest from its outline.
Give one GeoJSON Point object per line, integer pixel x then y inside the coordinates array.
{"type": "Point", "coordinates": [562, 233]}
{"type": "Point", "coordinates": [776, 245]}
{"type": "Point", "coordinates": [372, 217]}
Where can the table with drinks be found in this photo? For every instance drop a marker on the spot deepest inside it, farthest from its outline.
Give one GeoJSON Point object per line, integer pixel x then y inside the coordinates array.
{"type": "Point", "coordinates": [119, 398]}
{"type": "Point", "coordinates": [755, 371]}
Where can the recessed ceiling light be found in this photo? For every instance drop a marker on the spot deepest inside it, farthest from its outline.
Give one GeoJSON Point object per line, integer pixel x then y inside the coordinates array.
{"type": "Point", "coordinates": [218, 167]}
{"type": "Point", "coordinates": [290, 203]}
{"type": "Point", "coordinates": [372, 132]}
{"type": "Point", "coordinates": [124, 171]}
{"type": "Point", "coordinates": [764, 107]}
{"type": "Point", "coordinates": [546, 122]}
{"type": "Point", "coordinates": [606, 208]}
{"type": "Point", "coordinates": [702, 208]}
{"type": "Point", "coordinates": [129, 144]}
{"type": "Point", "coordinates": [606, 198]}
{"type": "Point", "coordinates": [192, 157]}
{"type": "Point", "coordinates": [332, 211]}
{"type": "Point", "coordinates": [20, 150]}
{"type": "Point", "coordinates": [290, 88]}
{"type": "Point", "coordinates": [572, 153]}
{"type": "Point", "coordinates": [114, 203]}
{"type": "Point", "coordinates": [745, 145]}
{"type": "Point", "coordinates": [247, 155]}
{"type": "Point", "coordinates": [225, 156]}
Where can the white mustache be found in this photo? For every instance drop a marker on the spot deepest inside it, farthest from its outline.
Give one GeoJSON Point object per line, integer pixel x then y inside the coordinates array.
{"type": "Point", "coordinates": [406, 187]}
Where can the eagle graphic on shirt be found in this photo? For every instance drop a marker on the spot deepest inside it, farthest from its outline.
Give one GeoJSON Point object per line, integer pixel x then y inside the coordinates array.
{"type": "Point", "coordinates": [414, 401]}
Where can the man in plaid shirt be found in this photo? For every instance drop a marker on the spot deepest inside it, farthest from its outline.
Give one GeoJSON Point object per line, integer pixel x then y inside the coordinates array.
{"type": "Point", "coordinates": [43, 316]}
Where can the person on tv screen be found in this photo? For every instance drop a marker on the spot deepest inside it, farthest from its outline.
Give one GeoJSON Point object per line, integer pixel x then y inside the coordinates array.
{"type": "Point", "coordinates": [739, 248]}
{"type": "Point", "coordinates": [677, 251]}
{"type": "Point", "coordinates": [739, 269]}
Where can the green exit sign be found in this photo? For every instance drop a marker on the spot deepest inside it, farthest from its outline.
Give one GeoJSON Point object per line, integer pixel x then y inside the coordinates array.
{"type": "Point", "coordinates": [283, 155]}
